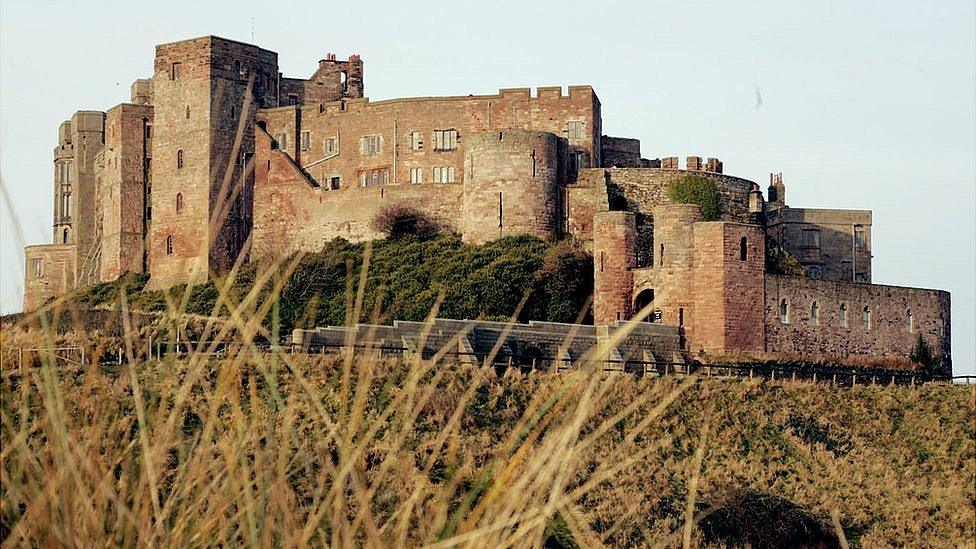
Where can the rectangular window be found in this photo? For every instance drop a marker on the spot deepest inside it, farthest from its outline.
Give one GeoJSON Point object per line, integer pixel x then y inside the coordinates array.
{"type": "Point", "coordinates": [416, 141]}
{"type": "Point", "coordinates": [67, 173]}
{"type": "Point", "coordinates": [334, 182]}
{"type": "Point", "coordinates": [37, 267]}
{"type": "Point", "coordinates": [372, 178]}
{"type": "Point", "coordinates": [148, 131]}
{"type": "Point", "coordinates": [574, 130]}
{"type": "Point", "coordinates": [176, 71]}
{"type": "Point", "coordinates": [416, 175]}
{"type": "Point", "coordinates": [443, 174]}
{"type": "Point", "coordinates": [445, 140]}
{"type": "Point", "coordinates": [811, 238]}
{"type": "Point", "coordinates": [330, 145]}
{"type": "Point", "coordinates": [860, 237]}
{"type": "Point", "coordinates": [306, 140]}
{"type": "Point", "coordinates": [282, 140]}
{"type": "Point", "coordinates": [292, 99]}
{"type": "Point", "coordinates": [576, 161]}
{"type": "Point", "coordinates": [66, 206]}
{"type": "Point", "coordinates": [370, 145]}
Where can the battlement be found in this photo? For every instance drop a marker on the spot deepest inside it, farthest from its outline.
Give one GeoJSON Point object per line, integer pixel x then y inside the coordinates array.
{"type": "Point", "coordinates": [693, 164]}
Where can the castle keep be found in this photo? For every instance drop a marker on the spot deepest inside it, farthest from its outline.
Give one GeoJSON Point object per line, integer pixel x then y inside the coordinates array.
{"type": "Point", "coordinates": [219, 158]}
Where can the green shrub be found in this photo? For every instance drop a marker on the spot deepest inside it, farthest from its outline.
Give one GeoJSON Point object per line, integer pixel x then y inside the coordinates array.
{"type": "Point", "coordinates": [779, 261]}
{"type": "Point", "coordinates": [695, 189]}
{"type": "Point", "coordinates": [923, 356]}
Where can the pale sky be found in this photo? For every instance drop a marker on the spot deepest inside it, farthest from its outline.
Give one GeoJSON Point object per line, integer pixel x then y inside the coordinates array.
{"type": "Point", "coordinates": [867, 105]}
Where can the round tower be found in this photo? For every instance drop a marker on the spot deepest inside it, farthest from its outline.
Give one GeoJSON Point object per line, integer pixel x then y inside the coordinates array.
{"type": "Point", "coordinates": [614, 238]}
{"type": "Point", "coordinates": [510, 185]}
{"type": "Point", "coordinates": [674, 246]}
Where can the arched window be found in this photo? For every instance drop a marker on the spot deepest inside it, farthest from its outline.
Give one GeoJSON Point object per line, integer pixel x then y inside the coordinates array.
{"type": "Point", "coordinates": [64, 237]}
{"type": "Point", "coordinates": [169, 245]}
{"type": "Point", "coordinates": [866, 318]}
{"type": "Point", "coordinates": [179, 202]}
{"type": "Point", "coordinates": [815, 313]}
{"type": "Point", "coordinates": [784, 312]}
{"type": "Point", "coordinates": [179, 159]}
{"type": "Point", "coordinates": [187, 112]}
{"type": "Point", "coordinates": [909, 321]}
{"type": "Point", "coordinates": [742, 248]}
{"type": "Point", "coordinates": [842, 315]}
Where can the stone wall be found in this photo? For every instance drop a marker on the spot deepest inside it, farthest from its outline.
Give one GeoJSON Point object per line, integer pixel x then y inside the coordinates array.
{"type": "Point", "coordinates": [614, 234]}
{"type": "Point", "coordinates": [296, 215]}
{"type": "Point", "coordinates": [49, 272]}
{"type": "Point", "coordinates": [123, 189]}
{"type": "Point", "coordinates": [87, 137]}
{"type": "Point", "coordinates": [621, 152]}
{"type": "Point", "coordinates": [206, 92]}
{"type": "Point", "coordinates": [511, 186]}
{"type": "Point", "coordinates": [823, 241]}
{"type": "Point", "coordinates": [887, 333]}
{"type": "Point", "coordinates": [404, 130]}
{"type": "Point", "coordinates": [645, 188]}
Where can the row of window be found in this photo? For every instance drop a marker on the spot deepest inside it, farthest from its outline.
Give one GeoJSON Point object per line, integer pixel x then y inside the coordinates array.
{"type": "Point", "coordinates": [843, 315]}
{"type": "Point", "coordinates": [444, 140]}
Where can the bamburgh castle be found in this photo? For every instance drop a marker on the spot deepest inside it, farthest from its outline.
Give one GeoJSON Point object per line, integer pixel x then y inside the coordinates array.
{"type": "Point", "coordinates": [219, 156]}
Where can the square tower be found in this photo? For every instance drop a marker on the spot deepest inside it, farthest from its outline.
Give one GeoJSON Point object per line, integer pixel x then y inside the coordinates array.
{"type": "Point", "coordinates": [205, 94]}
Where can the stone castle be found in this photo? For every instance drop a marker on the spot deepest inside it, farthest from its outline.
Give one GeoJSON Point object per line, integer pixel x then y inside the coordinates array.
{"type": "Point", "coordinates": [218, 157]}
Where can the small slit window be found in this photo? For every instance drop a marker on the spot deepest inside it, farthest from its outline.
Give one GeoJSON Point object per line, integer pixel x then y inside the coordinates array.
{"type": "Point", "coordinates": [743, 250]}
{"type": "Point", "coordinates": [866, 318]}
{"type": "Point", "coordinates": [187, 112]}
{"type": "Point", "coordinates": [179, 202]}
{"type": "Point", "coordinates": [909, 322]}
{"type": "Point", "coordinates": [176, 71]}
{"type": "Point", "coordinates": [179, 159]}
{"type": "Point", "coordinates": [784, 311]}
{"type": "Point", "coordinates": [815, 314]}
{"type": "Point", "coordinates": [169, 245]}
{"type": "Point", "coordinates": [842, 315]}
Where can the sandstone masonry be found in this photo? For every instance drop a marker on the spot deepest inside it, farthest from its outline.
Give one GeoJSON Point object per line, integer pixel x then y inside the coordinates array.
{"type": "Point", "coordinates": [218, 158]}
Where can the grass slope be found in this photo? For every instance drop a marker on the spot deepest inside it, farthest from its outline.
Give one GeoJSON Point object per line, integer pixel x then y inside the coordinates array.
{"type": "Point", "coordinates": [288, 450]}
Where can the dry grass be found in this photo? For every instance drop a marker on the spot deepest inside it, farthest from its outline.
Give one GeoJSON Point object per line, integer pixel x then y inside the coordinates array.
{"type": "Point", "coordinates": [282, 449]}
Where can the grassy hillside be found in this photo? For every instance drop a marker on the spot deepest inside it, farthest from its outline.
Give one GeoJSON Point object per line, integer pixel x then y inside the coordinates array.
{"type": "Point", "coordinates": [288, 449]}
{"type": "Point", "coordinates": [405, 278]}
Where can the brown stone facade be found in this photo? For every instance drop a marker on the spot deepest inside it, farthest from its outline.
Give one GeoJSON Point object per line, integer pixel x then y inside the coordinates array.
{"type": "Point", "coordinates": [830, 244]}
{"type": "Point", "coordinates": [123, 191]}
{"type": "Point", "coordinates": [50, 272]}
{"type": "Point", "coordinates": [837, 320]}
{"type": "Point", "coordinates": [219, 159]}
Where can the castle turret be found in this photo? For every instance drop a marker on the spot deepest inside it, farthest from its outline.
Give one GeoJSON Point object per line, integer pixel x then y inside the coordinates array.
{"type": "Point", "coordinates": [510, 185]}
{"type": "Point", "coordinates": [614, 238]}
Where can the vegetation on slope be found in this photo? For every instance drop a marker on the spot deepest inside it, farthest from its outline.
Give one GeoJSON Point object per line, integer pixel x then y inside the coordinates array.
{"type": "Point", "coordinates": [280, 449]}
{"type": "Point", "coordinates": [406, 276]}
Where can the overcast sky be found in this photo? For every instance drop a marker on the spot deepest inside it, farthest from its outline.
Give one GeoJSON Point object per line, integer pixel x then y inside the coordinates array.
{"type": "Point", "coordinates": [860, 104]}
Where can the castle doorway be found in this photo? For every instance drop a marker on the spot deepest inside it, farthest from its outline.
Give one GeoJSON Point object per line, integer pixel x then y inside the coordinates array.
{"type": "Point", "coordinates": [644, 299]}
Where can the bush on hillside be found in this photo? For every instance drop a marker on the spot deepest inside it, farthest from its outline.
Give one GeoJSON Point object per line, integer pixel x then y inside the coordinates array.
{"type": "Point", "coordinates": [695, 189]}
{"type": "Point", "coordinates": [399, 220]}
{"type": "Point", "coordinates": [779, 261]}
